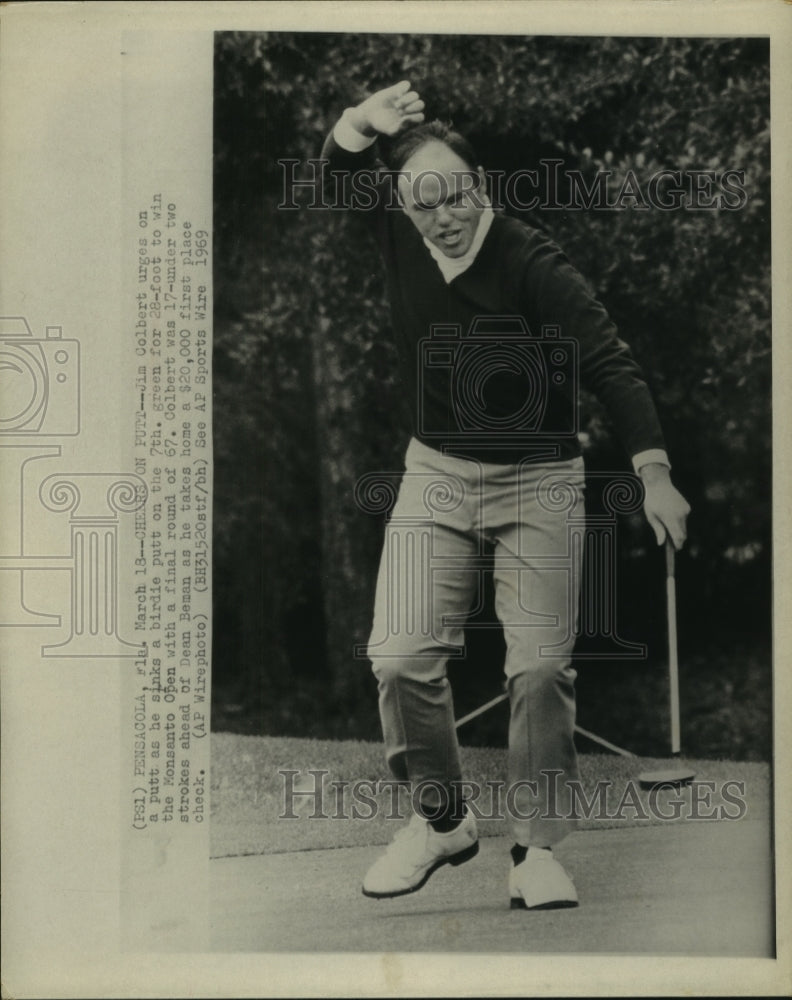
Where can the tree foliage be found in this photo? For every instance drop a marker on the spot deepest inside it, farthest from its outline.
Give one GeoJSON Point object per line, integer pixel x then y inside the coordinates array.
{"type": "Point", "coordinates": [306, 393]}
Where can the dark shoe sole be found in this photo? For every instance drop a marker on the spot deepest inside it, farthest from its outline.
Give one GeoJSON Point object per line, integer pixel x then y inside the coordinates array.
{"type": "Point", "coordinates": [455, 859]}
{"type": "Point", "coordinates": [518, 903]}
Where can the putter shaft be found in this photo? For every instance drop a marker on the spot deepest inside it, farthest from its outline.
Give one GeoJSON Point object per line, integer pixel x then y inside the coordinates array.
{"type": "Point", "coordinates": [673, 663]}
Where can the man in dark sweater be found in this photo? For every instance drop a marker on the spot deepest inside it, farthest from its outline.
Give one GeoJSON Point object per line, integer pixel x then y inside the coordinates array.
{"type": "Point", "coordinates": [495, 331]}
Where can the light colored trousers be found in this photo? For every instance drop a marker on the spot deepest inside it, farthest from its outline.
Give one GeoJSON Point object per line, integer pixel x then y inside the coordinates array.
{"type": "Point", "coordinates": [452, 520]}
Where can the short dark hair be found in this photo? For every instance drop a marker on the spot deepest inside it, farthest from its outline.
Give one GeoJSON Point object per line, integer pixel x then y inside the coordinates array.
{"type": "Point", "coordinates": [402, 146]}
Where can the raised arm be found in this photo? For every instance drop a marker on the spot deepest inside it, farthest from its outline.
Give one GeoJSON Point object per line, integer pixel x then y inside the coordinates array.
{"type": "Point", "coordinates": [385, 112]}
{"type": "Point", "coordinates": [350, 149]}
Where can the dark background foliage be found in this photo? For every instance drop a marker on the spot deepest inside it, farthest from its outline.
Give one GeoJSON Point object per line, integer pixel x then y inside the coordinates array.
{"type": "Point", "coordinates": [307, 398]}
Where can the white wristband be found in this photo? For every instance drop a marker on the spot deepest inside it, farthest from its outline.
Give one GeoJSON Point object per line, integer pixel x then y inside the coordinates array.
{"type": "Point", "coordinates": [649, 456]}
{"type": "Point", "coordinates": [348, 137]}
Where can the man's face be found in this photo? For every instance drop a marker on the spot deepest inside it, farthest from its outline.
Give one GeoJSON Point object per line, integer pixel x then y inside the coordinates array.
{"type": "Point", "coordinates": [442, 196]}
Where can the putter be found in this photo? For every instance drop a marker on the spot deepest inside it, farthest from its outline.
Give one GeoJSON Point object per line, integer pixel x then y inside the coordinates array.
{"type": "Point", "coordinates": [670, 776]}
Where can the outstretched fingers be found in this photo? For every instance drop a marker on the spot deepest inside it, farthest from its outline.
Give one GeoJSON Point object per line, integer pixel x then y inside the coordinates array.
{"type": "Point", "coordinates": [414, 117]}
{"type": "Point", "coordinates": [409, 107]}
{"type": "Point", "coordinates": [402, 87]}
{"type": "Point", "coordinates": [405, 100]}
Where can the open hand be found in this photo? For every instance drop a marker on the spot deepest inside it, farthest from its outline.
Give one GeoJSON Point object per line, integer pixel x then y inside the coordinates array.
{"type": "Point", "coordinates": [387, 111]}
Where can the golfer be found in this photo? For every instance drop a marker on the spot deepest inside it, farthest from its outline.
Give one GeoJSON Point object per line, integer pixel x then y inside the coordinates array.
{"type": "Point", "coordinates": [495, 330]}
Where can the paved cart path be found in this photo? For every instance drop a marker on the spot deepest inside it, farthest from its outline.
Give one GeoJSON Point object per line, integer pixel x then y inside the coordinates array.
{"type": "Point", "coordinates": [687, 888]}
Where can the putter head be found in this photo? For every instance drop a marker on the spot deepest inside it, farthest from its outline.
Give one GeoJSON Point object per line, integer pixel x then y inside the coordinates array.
{"type": "Point", "coordinates": [673, 777]}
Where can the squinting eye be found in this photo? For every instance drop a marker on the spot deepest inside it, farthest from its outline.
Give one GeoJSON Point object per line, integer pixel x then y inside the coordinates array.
{"type": "Point", "coordinates": [459, 200]}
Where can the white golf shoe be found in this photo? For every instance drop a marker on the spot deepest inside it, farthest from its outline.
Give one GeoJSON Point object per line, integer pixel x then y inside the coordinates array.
{"type": "Point", "coordinates": [540, 883]}
{"type": "Point", "coordinates": [415, 853]}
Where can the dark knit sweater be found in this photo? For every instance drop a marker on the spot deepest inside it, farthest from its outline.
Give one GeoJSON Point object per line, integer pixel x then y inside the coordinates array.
{"type": "Point", "coordinates": [493, 359]}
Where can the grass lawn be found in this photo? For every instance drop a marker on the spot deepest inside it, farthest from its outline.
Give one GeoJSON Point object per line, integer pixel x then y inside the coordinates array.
{"type": "Point", "coordinates": [249, 800]}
